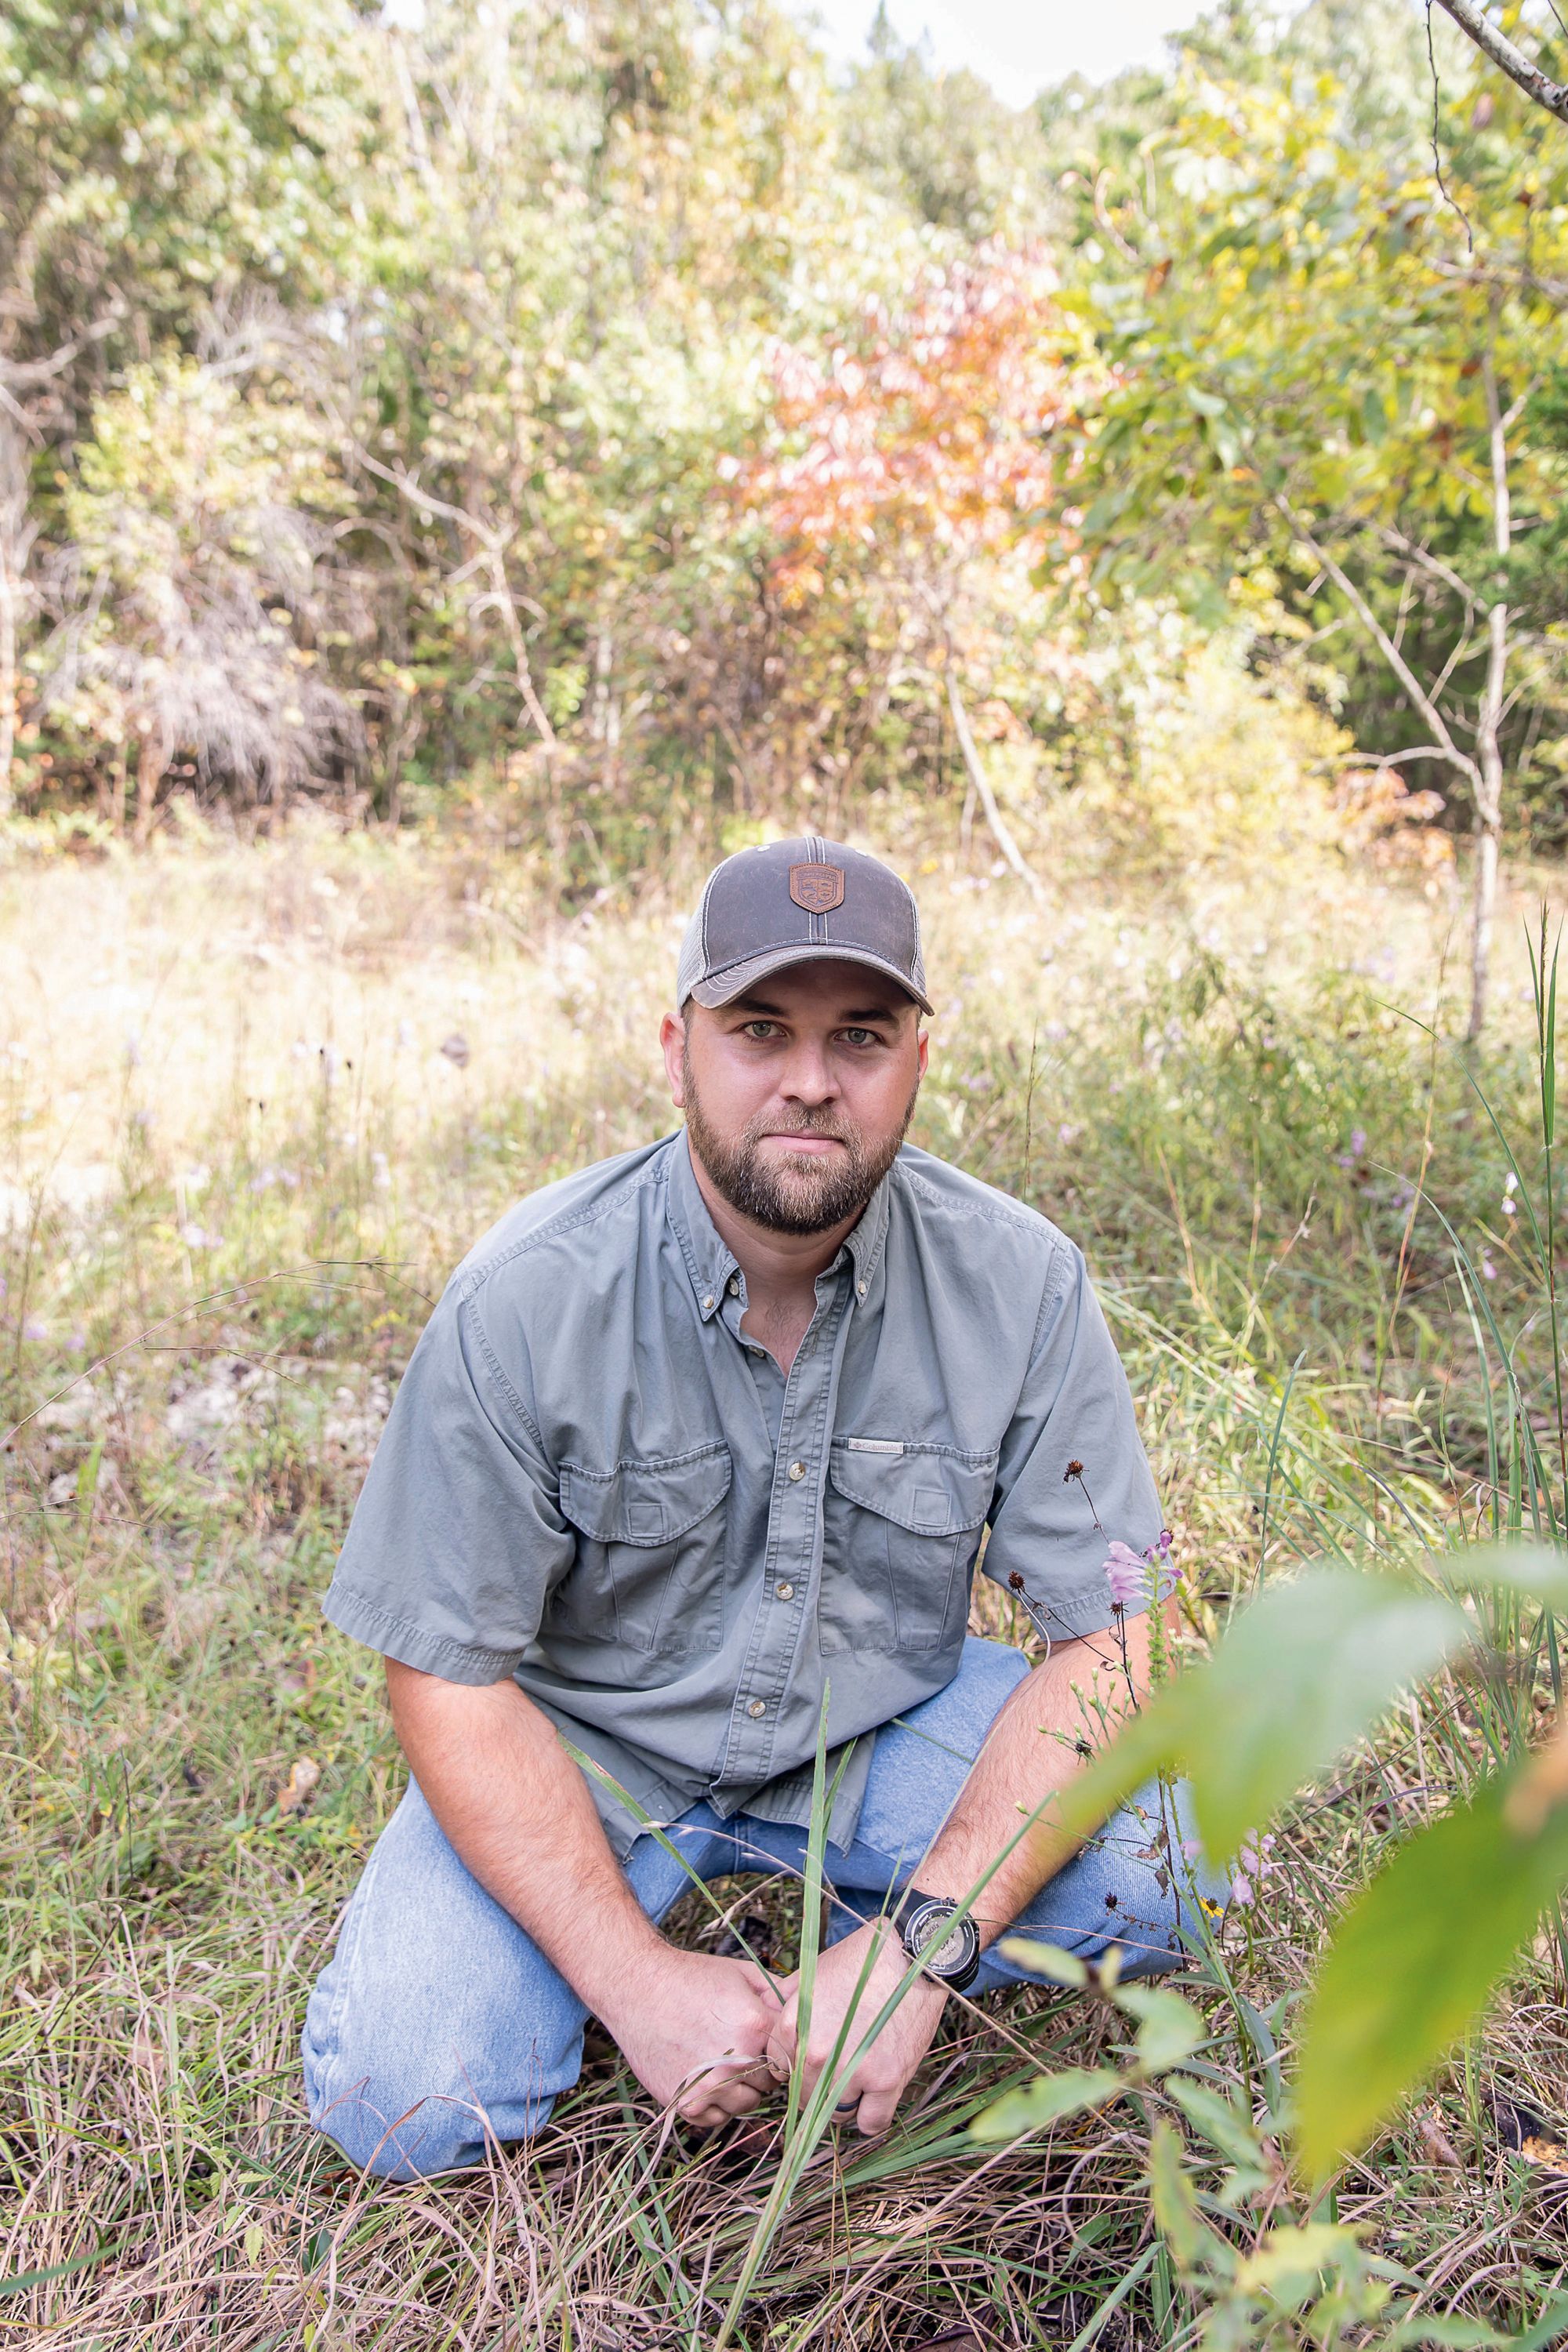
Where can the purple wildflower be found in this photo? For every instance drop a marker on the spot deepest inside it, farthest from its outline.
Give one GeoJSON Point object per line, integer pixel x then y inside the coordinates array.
{"type": "Point", "coordinates": [35, 1328]}
{"type": "Point", "coordinates": [1252, 1866]}
{"type": "Point", "coordinates": [1127, 1573]}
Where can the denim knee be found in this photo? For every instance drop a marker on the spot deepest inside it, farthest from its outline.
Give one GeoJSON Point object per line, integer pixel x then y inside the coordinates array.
{"type": "Point", "coordinates": [391, 2141]}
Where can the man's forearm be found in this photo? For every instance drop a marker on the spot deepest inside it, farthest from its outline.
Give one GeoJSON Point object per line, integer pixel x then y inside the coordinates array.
{"type": "Point", "coordinates": [518, 1811]}
{"type": "Point", "coordinates": [1030, 1753]}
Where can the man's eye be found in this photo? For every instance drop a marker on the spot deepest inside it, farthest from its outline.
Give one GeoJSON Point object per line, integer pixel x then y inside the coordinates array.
{"type": "Point", "coordinates": [860, 1036]}
{"type": "Point", "coordinates": [761, 1029]}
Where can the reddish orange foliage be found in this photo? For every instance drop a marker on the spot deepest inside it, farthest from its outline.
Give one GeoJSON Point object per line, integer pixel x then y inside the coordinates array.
{"type": "Point", "coordinates": [931, 438]}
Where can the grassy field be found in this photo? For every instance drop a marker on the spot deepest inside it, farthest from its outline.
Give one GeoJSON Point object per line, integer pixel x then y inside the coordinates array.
{"type": "Point", "coordinates": [253, 1105]}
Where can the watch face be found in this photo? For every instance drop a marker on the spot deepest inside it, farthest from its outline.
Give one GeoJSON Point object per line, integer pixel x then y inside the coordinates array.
{"type": "Point", "coordinates": [930, 1924]}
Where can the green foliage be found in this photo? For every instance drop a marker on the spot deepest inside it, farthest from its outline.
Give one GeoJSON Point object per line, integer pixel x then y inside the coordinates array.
{"type": "Point", "coordinates": [1304, 1673]}
{"type": "Point", "coordinates": [1416, 1959]}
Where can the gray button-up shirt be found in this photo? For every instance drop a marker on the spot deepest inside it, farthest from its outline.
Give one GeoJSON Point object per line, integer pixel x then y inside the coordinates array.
{"type": "Point", "coordinates": [592, 1481]}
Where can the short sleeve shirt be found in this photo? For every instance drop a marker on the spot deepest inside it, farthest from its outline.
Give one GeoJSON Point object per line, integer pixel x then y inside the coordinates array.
{"type": "Point", "coordinates": [691, 1562]}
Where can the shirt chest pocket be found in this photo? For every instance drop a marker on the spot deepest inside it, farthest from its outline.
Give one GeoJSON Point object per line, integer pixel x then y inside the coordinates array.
{"type": "Point", "coordinates": [900, 1534]}
{"type": "Point", "coordinates": [649, 1571]}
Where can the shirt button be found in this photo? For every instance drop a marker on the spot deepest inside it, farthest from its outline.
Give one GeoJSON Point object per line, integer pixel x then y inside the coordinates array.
{"type": "Point", "coordinates": [859, 1290]}
{"type": "Point", "coordinates": [758, 1707]}
{"type": "Point", "coordinates": [797, 1469]}
{"type": "Point", "coordinates": [784, 1592]}
{"type": "Point", "coordinates": [707, 1304]}
{"type": "Point", "coordinates": [734, 1286]}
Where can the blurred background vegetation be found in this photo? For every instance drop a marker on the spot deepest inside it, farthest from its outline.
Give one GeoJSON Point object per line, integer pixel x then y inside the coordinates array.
{"type": "Point", "coordinates": [455, 479]}
{"type": "Point", "coordinates": [603, 415]}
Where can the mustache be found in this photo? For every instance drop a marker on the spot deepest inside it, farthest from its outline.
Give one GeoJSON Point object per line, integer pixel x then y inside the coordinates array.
{"type": "Point", "coordinates": [806, 1122]}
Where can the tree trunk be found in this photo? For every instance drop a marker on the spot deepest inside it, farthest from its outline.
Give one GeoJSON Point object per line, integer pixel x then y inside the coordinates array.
{"type": "Point", "coordinates": [16, 542]}
{"type": "Point", "coordinates": [981, 785]}
{"type": "Point", "coordinates": [1489, 818]}
{"type": "Point", "coordinates": [1488, 753]}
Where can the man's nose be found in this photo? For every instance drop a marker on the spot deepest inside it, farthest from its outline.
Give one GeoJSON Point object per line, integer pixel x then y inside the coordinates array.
{"type": "Point", "coordinates": [807, 1075]}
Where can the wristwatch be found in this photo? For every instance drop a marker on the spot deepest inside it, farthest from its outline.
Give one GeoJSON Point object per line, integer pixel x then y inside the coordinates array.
{"type": "Point", "coordinates": [957, 1964]}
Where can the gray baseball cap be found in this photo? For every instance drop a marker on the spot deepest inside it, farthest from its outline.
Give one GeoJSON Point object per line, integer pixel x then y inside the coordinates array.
{"type": "Point", "coordinates": [794, 902]}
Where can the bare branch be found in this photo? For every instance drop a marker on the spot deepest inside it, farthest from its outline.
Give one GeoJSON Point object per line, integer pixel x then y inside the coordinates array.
{"type": "Point", "coordinates": [988, 798]}
{"type": "Point", "coordinates": [1428, 562]}
{"type": "Point", "coordinates": [1495, 44]}
{"type": "Point", "coordinates": [1415, 692]}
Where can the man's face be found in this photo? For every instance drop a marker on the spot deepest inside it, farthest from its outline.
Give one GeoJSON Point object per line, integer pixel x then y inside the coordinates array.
{"type": "Point", "coordinates": [797, 1096]}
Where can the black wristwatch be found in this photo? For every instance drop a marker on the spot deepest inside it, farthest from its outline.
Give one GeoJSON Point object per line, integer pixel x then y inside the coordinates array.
{"type": "Point", "coordinates": [957, 1964]}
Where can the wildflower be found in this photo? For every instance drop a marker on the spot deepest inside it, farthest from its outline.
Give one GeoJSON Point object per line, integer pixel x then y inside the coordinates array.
{"type": "Point", "coordinates": [1252, 1866]}
{"type": "Point", "coordinates": [1127, 1573]}
{"type": "Point", "coordinates": [1358, 1140]}
{"type": "Point", "coordinates": [76, 1343]}
{"type": "Point", "coordinates": [456, 1049]}
{"type": "Point", "coordinates": [1510, 1187]}
{"type": "Point", "coordinates": [35, 1328]}
{"type": "Point", "coordinates": [1073, 1470]}
{"type": "Point", "coordinates": [1489, 1270]}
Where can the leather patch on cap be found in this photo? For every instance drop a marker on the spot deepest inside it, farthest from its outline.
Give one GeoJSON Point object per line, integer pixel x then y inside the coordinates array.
{"type": "Point", "coordinates": [817, 888]}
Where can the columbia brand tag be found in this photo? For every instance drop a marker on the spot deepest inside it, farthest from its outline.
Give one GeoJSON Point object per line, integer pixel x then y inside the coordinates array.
{"type": "Point", "coordinates": [817, 888]}
{"type": "Point", "coordinates": [873, 1445]}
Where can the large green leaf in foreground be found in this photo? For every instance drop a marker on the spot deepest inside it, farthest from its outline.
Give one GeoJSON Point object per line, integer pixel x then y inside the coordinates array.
{"type": "Point", "coordinates": [1300, 1676]}
{"type": "Point", "coordinates": [1414, 1962]}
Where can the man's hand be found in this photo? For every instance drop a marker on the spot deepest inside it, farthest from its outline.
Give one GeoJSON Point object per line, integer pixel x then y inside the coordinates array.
{"type": "Point", "coordinates": [694, 2032]}
{"type": "Point", "coordinates": [878, 2082]}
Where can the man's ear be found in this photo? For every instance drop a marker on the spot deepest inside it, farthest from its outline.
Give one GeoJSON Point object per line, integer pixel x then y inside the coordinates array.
{"type": "Point", "coordinates": [923, 1049]}
{"type": "Point", "coordinates": [672, 1038]}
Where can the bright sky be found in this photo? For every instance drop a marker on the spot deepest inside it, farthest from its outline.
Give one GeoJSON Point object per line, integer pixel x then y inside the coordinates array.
{"type": "Point", "coordinates": [1018, 46]}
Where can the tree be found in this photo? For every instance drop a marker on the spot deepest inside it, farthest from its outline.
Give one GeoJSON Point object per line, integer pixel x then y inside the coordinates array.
{"type": "Point", "coordinates": [914, 459]}
{"type": "Point", "coordinates": [1321, 374]}
{"type": "Point", "coordinates": [149, 160]}
{"type": "Point", "coordinates": [1494, 43]}
{"type": "Point", "coordinates": [197, 520]}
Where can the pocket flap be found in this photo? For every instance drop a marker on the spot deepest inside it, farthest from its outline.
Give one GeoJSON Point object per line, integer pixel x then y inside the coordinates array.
{"type": "Point", "coordinates": [932, 1491]}
{"type": "Point", "coordinates": [646, 1502]}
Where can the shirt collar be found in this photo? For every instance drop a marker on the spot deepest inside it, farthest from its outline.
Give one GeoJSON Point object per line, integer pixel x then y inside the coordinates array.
{"type": "Point", "coordinates": [711, 1264]}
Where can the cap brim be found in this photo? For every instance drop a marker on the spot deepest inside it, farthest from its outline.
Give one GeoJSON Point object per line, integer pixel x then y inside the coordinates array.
{"type": "Point", "coordinates": [725, 986]}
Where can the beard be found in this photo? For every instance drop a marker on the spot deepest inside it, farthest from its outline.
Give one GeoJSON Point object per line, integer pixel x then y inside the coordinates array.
{"type": "Point", "coordinates": [810, 1197]}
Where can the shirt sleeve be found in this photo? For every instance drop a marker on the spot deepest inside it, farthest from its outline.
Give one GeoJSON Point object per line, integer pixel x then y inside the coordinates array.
{"type": "Point", "coordinates": [458, 1538]}
{"type": "Point", "coordinates": [1072, 1476]}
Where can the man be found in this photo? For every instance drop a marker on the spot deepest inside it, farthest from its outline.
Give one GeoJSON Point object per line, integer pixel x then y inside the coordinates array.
{"type": "Point", "coordinates": [696, 1452]}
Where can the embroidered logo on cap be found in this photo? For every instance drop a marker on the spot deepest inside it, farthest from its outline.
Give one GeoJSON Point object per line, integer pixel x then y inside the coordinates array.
{"type": "Point", "coordinates": [817, 888]}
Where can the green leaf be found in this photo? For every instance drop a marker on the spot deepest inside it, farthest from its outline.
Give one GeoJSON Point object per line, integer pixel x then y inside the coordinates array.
{"type": "Point", "coordinates": [1046, 2101]}
{"type": "Point", "coordinates": [1169, 2027]}
{"type": "Point", "coordinates": [1194, 2245]}
{"type": "Point", "coordinates": [1290, 2262]}
{"type": "Point", "coordinates": [1299, 1677]}
{"type": "Point", "coordinates": [1207, 403]}
{"type": "Point", "coordinates": [1306, 1671]}
{"type": "Point", "coordinates": [1533, 1570]}
{"type": "Point", "coordinates": [1412, 1964]}
{"type": "Point", "coordinates": [1045, 1960]}
{"type": "Point", "coordinates": [1219, 2120]}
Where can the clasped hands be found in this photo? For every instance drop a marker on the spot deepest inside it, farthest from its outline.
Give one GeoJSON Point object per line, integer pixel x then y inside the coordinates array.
{"type": "Point", "coordinates": [712, 2038]}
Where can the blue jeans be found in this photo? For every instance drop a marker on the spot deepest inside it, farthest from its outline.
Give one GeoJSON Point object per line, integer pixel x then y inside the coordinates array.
{"type": "Point", "coordinates": [437, 2015]}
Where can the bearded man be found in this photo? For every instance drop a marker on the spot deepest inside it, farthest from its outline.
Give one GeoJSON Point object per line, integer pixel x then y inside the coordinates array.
{"type": "Point", "coordinates": [696, 1457]}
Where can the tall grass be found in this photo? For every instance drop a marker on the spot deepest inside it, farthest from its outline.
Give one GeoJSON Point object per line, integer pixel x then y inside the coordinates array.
{"type": "Point", "coordinates": [252, 1109]}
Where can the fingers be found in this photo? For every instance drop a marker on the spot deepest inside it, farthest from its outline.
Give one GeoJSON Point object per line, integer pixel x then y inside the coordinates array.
{"type": "Point", "coordinates": [709, 2104]}
{"type": "Point", "coordinates": [767, 1987]}
{"type": "Point", "coordinates": [780, 2054]}
{"type": "Point", "coordinates": [877, 2110]}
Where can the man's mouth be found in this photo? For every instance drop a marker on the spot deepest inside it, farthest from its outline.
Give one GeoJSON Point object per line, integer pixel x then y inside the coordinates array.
{"type": "Point", "coordinates": [808, 1147]}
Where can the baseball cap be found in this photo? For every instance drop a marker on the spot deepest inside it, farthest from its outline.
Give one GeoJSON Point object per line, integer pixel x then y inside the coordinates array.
{"type": "Point", "coordinates": [792, 902]}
